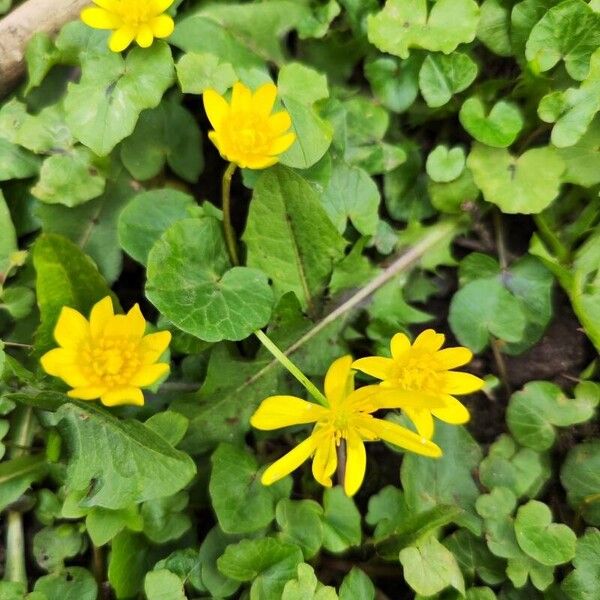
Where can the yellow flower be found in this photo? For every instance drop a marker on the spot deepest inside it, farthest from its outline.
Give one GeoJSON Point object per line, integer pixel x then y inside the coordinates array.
{"type": "Point", "coordinates": [139, 20]}
{"type": "Point", "coordinates": [347, 417]}
{"type": "Point", "coordinates": [108, 357]}
{"type": "Point", "coordinates": [245, 131]}
{"type": "Point", "coordinates": [422, 373]}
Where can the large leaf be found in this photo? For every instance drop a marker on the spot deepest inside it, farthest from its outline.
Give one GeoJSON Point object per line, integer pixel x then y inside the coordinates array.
{"type": "Point", "coordinates": [118, 462]}
{"type": "Point", "coordinates": [15, 162]}
{"type": "Point", "coordinates": [103, 108]}
{"type": "Point", "coordinates": [8, 241]}
{"type": "Point", "coordinates": [580, 476]}
{"type": "Point", "coordinates": [289, 235]}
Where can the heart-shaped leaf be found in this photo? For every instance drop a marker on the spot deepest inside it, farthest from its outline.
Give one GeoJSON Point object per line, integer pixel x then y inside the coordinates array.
{"type": "Point", "coordinates": [527, 184]}
{"type": "Point", "coordinates": [442, 76]}
{"type": "Point", "coordinates": [549, 543]}
{"type": "Point", "coordinates": [190, 281]}
{"type": "Point", "coordinates": [499, 128]}
{"type": "Point", "coordinates": [444, 165]}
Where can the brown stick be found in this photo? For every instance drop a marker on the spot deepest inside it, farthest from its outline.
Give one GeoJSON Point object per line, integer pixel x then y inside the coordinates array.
{"type": "Point", "coordinates": [18, 26]}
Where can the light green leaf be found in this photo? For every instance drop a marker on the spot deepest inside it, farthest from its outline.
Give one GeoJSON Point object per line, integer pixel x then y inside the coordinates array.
{"type": "Point", "coordinates": [527, 184]}
{"type": "Point", "coordinates": [17, 301]}
{"type": "Point", "coordinates": [103, 108]}
{"type": "Point", "coordinates": [17, 474]}
{"type": "Point", "coordinates": [499, 128]}
{"type": "Point", "coordinates": [444, 165]}
{"type": "Point", "coordinates": [170, 425]}
{"type": "Point", "coordinates": [442, 76]}
{"type": "Point", "coordinates": [167, 134]}
{"type": "Point", "coordinates": [307, 587]}
{"type": "Point", "coordinates": [341, 523]}
{"type": "Point", "coordinates": [455, 196]}
{"type": "Point", "coordinates": [580, 476]}
{"type": "Point", "coordinates": [494, 27]}
{"type": "Point", "coordinates": [212, 548]}
{"type": "Point", "coordinates": [394, 82]}
{"type": "Point", "coordinates": [8, 241]}
{"type": "Point", "coordinates": [52, 545]}
{"type": "Point", "coordinates": [387, 510]}
{"type": "Point", "coordinates": [128, 564]}
{"type": "Point", "coordinates": [164, 519]}
{"type": "Point", "coordinates": [582, 160]}
{"type": "Point", "coordinates": [72, 583]}
{"type": "Point", "coordinates": [429, 568]}
{"type": "Point", "coordinates": [357, 586]}
{"type": "Point", "coordinates": [199, 72]}
{"type": "Point", "coordinates": [549, 543]}
{"type": "Point", "coordinates": [583, 583]}
{"type": "Point", "coordinates": [163, 585]}
{"type": "Point", "coordinates": [573, 110]}
{"type": "Point", "coordinates": [405, 24]}
{"type": "Point", "coordinates": [300, 522]}
{"type": "Point", "coordinates": [119, 462]}
{"type": "Point", "coordinates": [15, 162]}
{"type": "Point", "coordinates": [103, 524]}
{"type": "Point", "coordinates": [220, 302]}
{"type": "Point", "coordinates": [289, 235]}
{"type": "Point", "coordinates": [569, 31]}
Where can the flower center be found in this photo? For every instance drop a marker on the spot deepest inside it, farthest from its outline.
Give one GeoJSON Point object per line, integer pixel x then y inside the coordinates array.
{"type": "Point", "coordinates": [418, 373]}
{"type": "Point", "coordinates": [110, 361]}
{"type": "Point", "coordinates": [248, 134]}
{"type": "Point", "coordinates": [135, 12]}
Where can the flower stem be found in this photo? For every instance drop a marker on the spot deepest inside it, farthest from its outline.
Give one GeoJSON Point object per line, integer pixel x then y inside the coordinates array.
{"type": "Point", "coordinates": [310, 387]}
{"type": "Point", "coordinates": [226, 199]}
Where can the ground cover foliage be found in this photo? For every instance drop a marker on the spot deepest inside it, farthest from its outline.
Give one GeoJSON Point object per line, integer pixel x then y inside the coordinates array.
{"type": "Point", "coordinates": [452, 144]}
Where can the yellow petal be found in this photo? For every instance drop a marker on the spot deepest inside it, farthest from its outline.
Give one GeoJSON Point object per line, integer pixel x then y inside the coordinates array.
{"type": "Point", "coordinates": [450, 358]}
{"type": "Point", "coordinates": [400, 398]}
{"type": "Point", "coordinates": [422, 419]}
{"type": "Point", "coordinates": [216, 108]}
{"type": "Point", "coordinates": [462, 383]}
{"type": "Point", "coordinates": [149, 374]}
{"type": "Point", "coordinates": [87, 393]}
{"type": "Point", "coordinates": [99, 18]}
{"type": "Point", "coordinates": [356, 464]}
{"type": "Point", "coordinates": [101, 314]}
{"type": "Point", "coordinates": [241, 98]}
{"type": "Point", "coordinates": [56, 361]}
{"type": "Point", "coordinates": [339, 380]}
{"type": "Point", "coordinates": [400, 436]}
{"type": "Point", "coordinates": [264, 98]}
{"type": "Point", "coordinates": [152, 346]}
{"type": "Point", "coordinates": [453, 412]}
{"type": "Point", "coordinates": [72, 329]}
{"type": "Point", "coordinates": [364, 399]}
{"type": "Point", "coordinates": [121, 38]}
{"type": "Point", "coordinates": [254, 162]}
{"type": "Point", "coordinates": [126, 395]}
{"type": "Point", "coordinates": [399, 345]}
{"type": "Point", "coordinates": [289, 462]}
{"type": "Point", "coordinates": [325, 460]}
{"type": "Point", "coordinates": [135, 322]}
{"type": "Point", "coordinates": [75, 377]}
{"type": "Point", "coordinates": [162, 26]}
{"type": "Point", "coordinates": [279, 123]}
{"type": "Point", "coordinates": [429, 341]}
{"type": "Point", "coordinates": [282, 143]}
{"type": "Point", "coordinates": [282, 411]}
{"type": "Point", "coordinates": [109, 5]}
{"type": "Point", "coordinates": [144, 37]}
{"type": "Point", "coordinates": [376, 366]}
{"type": "Point", "coordinates": [159, 6]}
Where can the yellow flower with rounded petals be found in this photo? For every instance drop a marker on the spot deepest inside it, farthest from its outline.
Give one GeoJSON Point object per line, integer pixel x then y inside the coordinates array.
{"type": "Point", "coordinates": [107, 357]}
{"type": "Point", "coordinates": [139, 20]}
{"type": "Point", "coordinates": [422, 373]}
{"type": "Point", "coordinates": [245, 131]}
{"type": "Point", "coordinates": [347, 417]}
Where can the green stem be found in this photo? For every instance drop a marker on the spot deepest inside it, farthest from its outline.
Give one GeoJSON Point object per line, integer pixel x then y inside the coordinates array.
{"type": "Point", "coordinates": [15, 539]}
{"type": "Point", "coordinates": [552, 240]}
{"type": "Point", "coordinates": [226, 199]}
{"type": "Point", "coordinates": [310, 387]}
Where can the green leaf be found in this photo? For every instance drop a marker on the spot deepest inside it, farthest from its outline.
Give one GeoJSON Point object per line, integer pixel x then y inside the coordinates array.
{"type": "Point", "coordinates": [17, 301]}
{"type": "Point", "coordinates": [387, 510]}
{"type": "Point", "coordinates": [289, 235]}
{"type": "Point", "coordinates": [533, 412]}
{"type": "Point", "coordinates": [220, 302]}
{"type": "Point", "coordinates": [455, 196]}
{"type": "Point", "coordinates": [301, 523]}
{"type": "Point", "coordinates": [574, 109]}
{"type": "Point", "coordinates": [357, 586]}
{"type": "Point", "coordinates": [103, 108]}
{"type": "Point", "coordinates": [199, 72]}
{"type": "Point", "coordinates": [149, 215]}
{"type": "Point", "coordinates": [493, 28]}
{"type": "Point", "coordinates": [402, 25]}
{"type": "Point", "coordinates": [299, 88]}
{"type": "Point", "coordinates": [444, 165]}
{"type": "Point", "coordinates": [103, 524]}
{"type": "Point", "coordinates": [129, 561]}
{"type": "Point", "coordinates": [499, 128]}
{"type": "Point", "coordinates": [212, 548]}
{"type": "Point", "coordinates": [119, 462]}
{"type": "Point", "coordinates": [582, 160]}
{"type": "Point", "coordinates": [580, 476]}
{"type": "Point", "coordinates": [527, 184]}
{"type": "Point", "coordinates": [307, 587]}
{"type": "Point", "coordinates": [17, 474]}
{"type": "Point", "coordinates": [341, 521]}
{"type": "Point", "coordinates": [65, 277]}
{"type": "Point", "coordinates": [442, 76]}
{"type": "Point", "coordinates": [395, 83]}
{"type": "Point", "coordinates": [52, 545]}
{"type": "Point", "coordinates": [429, 568]}
{"type": "Point", "coordinates": [547, 542]}
{"type": "Point", "coordinates": [583, 583]}
{"type": "Point", "coordinates": [170, 425]}
{"type": "Point", "coordinates": [570, 32]}
{"type": "Point", "coordinates": [15, 162]}
{"type": "Point", "coordinates": [72, 583]}
{"type": "Point", "coordinates": [267, 562]}
{"type": "Point", "coordinates": [164, 519]}
{"type": "Point", "coordinates": [242, 503]}
{"type": "Point", "coordinates": [445, 481]}
{"type": "Point", "coordinates": [8, 241]}
{"type": "Point", "coordinates": [163, 585]}
{"type": "Point", "coordinates": [167, 134]}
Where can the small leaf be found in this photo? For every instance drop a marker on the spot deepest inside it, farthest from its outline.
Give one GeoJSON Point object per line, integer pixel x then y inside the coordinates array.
{"type": "Point", "coordinates": [15, 162]}
{"type": "Point", "coordinates": [163, 585]}
{"type": "Point", "coordinates": [357, 586]}
{"type": "Point", "coordinates": [300, 522]}
{"type": "Point", "coordinates": [341, 523]}
{"type": "Point", "coordinates": [8, 241]}
{"type": "Point", "coordinates": [394, 82]}
{"type": "Point", "coordinates": [307, 587]}
{"type": "Point", "coordinates": [442, 76]}
{"type": "Point", "coordinates": [72, 583]}
{"type": "Point", "coordinates": [444, 165]}
{"type": "Point", "coordinates": [580, 476]}
{"type": "Point", "coordinates": [199, 72]}
{"type": "Point", "coordinates": [499, 128]}
{"type": "Point", "coordinates": [583, 583]}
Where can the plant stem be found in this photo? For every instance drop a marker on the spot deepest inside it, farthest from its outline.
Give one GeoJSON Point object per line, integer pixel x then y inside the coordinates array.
{"type": "Point", "coordinates": [15, 539]}
{"type": "Point", "coordinates": [551, 238]}
{"type": "Point", "coordinates": [500, 247]}
{"type": "Point", "coordinates": [310, 387]}
{"type": "Point", "coordinates": [226, 199]}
